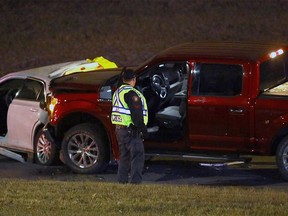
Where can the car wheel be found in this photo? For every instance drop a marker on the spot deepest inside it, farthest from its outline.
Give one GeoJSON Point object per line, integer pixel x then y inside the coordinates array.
{"type": "Point", "coordinates": [84, 150]}
{"type": "Point", "coordinates": [46, 152]}
{"type": "Point", "coordinates": [282, 158]}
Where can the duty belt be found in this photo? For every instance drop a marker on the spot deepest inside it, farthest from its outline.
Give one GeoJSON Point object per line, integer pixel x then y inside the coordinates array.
{"type": "Point", "coordinates": [120, 126]}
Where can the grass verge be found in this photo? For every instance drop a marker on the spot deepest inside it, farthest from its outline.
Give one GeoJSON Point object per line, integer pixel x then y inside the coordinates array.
{"type": "Point", "coordinates": [45, 197]}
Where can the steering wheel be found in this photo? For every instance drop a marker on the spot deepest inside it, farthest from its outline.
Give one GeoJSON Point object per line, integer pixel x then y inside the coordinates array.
{"type": "Point", "coordinates": [159, 85]}
{"type": "Point", "coordinates": [10, 95]}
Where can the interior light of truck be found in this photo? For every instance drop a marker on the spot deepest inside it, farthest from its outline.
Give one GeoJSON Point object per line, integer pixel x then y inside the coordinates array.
{"type": "Point", "coordinates": [277, 53]}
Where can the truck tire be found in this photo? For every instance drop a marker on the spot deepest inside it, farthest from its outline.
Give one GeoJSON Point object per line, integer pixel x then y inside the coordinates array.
{"type": "Point", "coordinates": [282, 158]}
{"type": "Point", "coordinates": [46, 153]}
{"type": "Point", "coordinates": [84, 150]}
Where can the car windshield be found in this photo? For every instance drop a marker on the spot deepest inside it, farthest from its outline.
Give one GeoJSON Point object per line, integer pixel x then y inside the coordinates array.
{"type": "Point", "coordinates": [273, 72]}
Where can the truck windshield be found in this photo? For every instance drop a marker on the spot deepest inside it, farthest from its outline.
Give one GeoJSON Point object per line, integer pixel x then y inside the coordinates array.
{"type": "Point", "coordinates": [273, 72]}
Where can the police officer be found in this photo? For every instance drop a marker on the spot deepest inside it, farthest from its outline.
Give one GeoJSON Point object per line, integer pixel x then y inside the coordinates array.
{"type": "Point", "coordinates": [130, 116]}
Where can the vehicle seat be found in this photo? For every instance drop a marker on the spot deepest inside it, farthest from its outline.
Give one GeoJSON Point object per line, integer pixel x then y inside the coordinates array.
{"type": "Point", "coordinates": [172, 116]}
{"type": "Point", "coordinates": [3, 117]}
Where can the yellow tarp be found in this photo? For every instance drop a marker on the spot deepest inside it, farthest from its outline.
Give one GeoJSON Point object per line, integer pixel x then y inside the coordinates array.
{"type": "Point", "coordinates": [94, 64]}
{"type": "Point", "coordinates": [105, 63]}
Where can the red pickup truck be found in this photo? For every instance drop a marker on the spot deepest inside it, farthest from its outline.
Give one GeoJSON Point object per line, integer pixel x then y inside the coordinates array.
{"type": "Point", "coordinates": [211, 100]}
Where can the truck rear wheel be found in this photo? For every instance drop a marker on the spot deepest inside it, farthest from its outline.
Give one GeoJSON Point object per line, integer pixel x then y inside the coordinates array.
{"type": "Point", "coordinates": [282, 158]}
{"type": "Point", "coordinates": [84, 150]}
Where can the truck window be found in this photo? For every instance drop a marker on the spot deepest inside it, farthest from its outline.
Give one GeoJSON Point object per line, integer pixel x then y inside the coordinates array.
{"type": "Point", "coordinates": [273, 72]}
{"type": "Point", "coordinates": [217, 79]}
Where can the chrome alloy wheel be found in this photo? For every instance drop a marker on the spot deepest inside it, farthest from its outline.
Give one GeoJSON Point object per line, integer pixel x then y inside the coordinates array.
{"type": "Point", "coordinates": [285, 158]}
{"type": "Point", "coordinates": [43, 149]}
{"type": "Point", "coordinates": [282, 158]}
{"type": "Point", "coordinates": [83, 150]}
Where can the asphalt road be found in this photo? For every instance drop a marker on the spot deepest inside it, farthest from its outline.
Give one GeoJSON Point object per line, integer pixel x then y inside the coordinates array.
{"type": "Point", "coordinates": [258, 173]}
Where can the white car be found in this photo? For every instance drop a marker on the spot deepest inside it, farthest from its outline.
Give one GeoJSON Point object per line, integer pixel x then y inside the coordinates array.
{"type": "Point", "coordinates": [22, 119]}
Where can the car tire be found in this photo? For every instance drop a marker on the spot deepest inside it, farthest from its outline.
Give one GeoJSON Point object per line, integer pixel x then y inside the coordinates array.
{"type": "Point", "coordinates": [45, 152]}
{"type": "Point", "coordinates": [84, 150]}
{"type": "Point", "coordinates": [282, 158]}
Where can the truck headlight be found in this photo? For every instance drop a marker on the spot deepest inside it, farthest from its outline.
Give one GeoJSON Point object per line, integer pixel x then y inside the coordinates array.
{"type": "Point", "coordinates": [51, 102]}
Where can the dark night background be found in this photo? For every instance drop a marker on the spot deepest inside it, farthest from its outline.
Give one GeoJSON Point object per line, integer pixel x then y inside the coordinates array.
{"type": "Point", "coordinates": [40, 32]}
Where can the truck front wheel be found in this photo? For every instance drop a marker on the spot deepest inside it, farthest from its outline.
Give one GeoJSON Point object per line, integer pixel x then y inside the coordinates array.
{"type": "Point", "coordinates": [84, 150]}
{"type": "Point", "coordinates": [282, 158]}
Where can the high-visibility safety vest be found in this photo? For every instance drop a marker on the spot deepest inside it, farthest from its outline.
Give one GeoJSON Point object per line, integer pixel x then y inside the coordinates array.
{"type": "Point", "coordinates": [121, 114]}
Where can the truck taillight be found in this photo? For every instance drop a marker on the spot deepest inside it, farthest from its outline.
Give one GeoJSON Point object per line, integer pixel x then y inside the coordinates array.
{"type": "Point", "coordinates": [276, 53]}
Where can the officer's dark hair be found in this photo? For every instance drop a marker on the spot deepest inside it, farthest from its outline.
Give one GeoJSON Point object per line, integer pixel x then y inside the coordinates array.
{"type": "Point", "coordinates": [124, 75]}
{"type": "Point", "coordinates": [127, 74]}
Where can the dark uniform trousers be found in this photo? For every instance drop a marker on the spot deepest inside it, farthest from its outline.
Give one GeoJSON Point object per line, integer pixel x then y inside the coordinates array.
{"type": "Point", "coordinates": [131, 156]}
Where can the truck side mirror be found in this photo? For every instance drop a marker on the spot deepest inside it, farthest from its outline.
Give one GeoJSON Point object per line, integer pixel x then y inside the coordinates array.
{"type": "Point", "coordinates": [106, 93]}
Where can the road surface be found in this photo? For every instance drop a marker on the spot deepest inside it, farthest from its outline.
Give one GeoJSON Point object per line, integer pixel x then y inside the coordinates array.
{"type": "Point", "coordinates": [258, 173]}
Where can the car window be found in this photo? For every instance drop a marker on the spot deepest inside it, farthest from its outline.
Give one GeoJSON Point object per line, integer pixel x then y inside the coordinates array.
{"type": "Point", "coordinates": [8, 90]}
{"type": "Point", "coordinates": [11, 84]}
{"type": "Point", "coordinates": [217, 79]}
{"type": "Point", "coordinates": [172, 73]}
{"type": "Point", "coordinates": [32, 90]}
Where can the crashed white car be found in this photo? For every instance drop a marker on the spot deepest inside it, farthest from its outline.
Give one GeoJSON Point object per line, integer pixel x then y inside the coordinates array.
{"type": "Point", "coordinates": [22, 119]}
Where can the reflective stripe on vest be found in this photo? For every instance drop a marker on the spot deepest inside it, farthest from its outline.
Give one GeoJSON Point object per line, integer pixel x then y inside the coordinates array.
{"type": "Point", "coordinates": [120, 111]}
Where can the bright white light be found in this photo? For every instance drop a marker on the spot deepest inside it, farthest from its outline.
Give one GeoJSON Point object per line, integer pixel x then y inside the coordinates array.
{"type": "Point", "coordinates": [277, 53]}
{"type": "Point", "coordinates": [273, 55]}
{"type": "Point", "coordinates": [280, 52]}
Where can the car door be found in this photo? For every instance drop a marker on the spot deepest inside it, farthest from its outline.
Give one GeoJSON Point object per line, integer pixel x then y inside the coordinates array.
{"type": "Point", "coordinates": [23, 114]}
{"type": "Point", "coordinates": [8, 89]}
{"type": "Point", "coordinates": [218, 106]}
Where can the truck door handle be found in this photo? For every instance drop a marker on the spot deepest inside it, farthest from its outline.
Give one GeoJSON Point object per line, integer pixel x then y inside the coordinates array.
{"type": "Point", "coordinates": [236, 110]}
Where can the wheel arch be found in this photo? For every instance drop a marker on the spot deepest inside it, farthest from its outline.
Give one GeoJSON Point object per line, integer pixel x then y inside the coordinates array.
{"type": "Point", "coordinates": [281, 134]}
{"type": "Point", "coordinates": [36, 130]}
{"type": "Point", "coordinates": [76, 118]}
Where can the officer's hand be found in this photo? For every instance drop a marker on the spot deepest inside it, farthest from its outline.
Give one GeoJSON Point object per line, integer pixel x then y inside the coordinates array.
{"type": "Point", "coordinates": [144, 132]}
